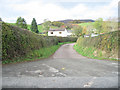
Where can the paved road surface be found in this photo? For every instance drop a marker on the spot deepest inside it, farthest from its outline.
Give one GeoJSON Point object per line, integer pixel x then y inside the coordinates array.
{"type": "Point", "coordinates": [65, 69]}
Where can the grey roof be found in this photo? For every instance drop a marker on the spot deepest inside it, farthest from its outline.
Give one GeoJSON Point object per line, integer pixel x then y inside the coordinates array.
{"type": "Point", "coordinates": [57, 30]}
{"type": "Point", "coordinates": [69, 31]}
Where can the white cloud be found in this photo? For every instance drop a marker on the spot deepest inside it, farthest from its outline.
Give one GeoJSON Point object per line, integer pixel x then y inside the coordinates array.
{"type": "Point", "coordinates": [78, 0]}
{"type": "Point", "coordinates": [79, 9]}
{"type": "Point", "coordinates": [39, 10]}
{"type": "Point", "coordinates": [11, 19]}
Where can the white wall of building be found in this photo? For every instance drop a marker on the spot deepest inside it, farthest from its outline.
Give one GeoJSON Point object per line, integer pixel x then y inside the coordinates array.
{"type": "Point", "coordinates": [94, 35]}
{"type": "Point", "coordinates": [58, 33]}
{"type": "Point", "coordinates": [69, 34]}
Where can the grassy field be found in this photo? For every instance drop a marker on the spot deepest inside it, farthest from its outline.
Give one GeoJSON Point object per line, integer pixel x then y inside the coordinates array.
{"type": "Point", "coordinates": [54, 27]}
{"type": "Point", "coordinates": [36, 54]}
{"type": "Point", "coordinates": [12, 24]}
{"type": "Point", "coordinates": [39, 26]}
{"type": "Point", "coordinates": [86, 24]}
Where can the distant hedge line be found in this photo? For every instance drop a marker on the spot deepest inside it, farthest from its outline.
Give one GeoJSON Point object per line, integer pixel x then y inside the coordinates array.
{"type": "Point", "coordinates": [105, 46]}
{"type": "Point", "coordinates": [17, 42]}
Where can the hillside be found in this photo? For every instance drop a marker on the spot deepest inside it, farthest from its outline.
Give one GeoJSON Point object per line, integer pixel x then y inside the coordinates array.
{"type": "Point", "coordinates": [86, 24]}
{"type": "Point", "coordinates": [82, 20]}
{"type": "Point", "coordinates": [71, 20]}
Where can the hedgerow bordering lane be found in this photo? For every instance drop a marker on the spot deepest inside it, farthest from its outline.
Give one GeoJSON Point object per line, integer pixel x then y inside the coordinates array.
{"type": "Point", "coordinates": [18, 42]}
{"type": "Point", "coordinates": [101, 47]}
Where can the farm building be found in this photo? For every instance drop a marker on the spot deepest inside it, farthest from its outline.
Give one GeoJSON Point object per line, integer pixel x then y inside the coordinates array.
{"type": "Point", "coordinates": [59, 32]}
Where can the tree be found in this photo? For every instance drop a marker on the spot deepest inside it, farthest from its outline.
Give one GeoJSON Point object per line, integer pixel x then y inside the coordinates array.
{"type": "Point", "coordinates": [98, 25]}
{"type": "Point", "coordinates": [84, 31]}
{"type": "Point", "coordinates": [46, 25]}
{"type": "Point", "coordinates": [18, 22]}
{"type": "Point", "coordinates": [90, 29]}
{"type": "Point", "coordinates": [69, 26]}
{"type": "Point", "coordinates": [24, 24]}
{"type": "Point", "coordinates": [21, 23]}
{"type": "Point", "coordinates": [105, 27]}
{"type": "Point", "coordinates": [0, 19]}
{"type": "Point", "coordinates": [34, 27]}
{"type": "Point", "coordinates": [110, 25]}
{"type": "Point", "coordinates": [77, 31]}
{"type": "Point", "coordinates": [58, 24]}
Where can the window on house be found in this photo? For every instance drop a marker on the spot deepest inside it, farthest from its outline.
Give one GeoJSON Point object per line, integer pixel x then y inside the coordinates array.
{"type": "Point", "coordinates": [60, 32]}
{"type": "Point", "coordinates": [51, 32]}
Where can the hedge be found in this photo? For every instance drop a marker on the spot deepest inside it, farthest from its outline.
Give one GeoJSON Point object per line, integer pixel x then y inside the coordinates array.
{"type": "Point", "coordinates": [103, 46]}
{"type": "Point", "coordinates": [17, 42]}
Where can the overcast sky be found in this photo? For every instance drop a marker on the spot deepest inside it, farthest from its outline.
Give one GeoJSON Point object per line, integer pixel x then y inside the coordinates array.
{"type": "Point", "coordinates": [57, 9]}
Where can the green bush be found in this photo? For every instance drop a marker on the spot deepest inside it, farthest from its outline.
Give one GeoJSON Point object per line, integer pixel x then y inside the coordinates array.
{"type": "Point", "coordinates": [102, 46]}
{"type": "Point", "coordinates": [67, 39]}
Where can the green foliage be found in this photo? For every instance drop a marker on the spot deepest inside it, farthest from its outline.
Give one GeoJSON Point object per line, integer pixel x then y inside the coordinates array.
{"type": "Point", "coordinates": [18, 42]}
{"type": "Point", "coordinates": [77, 31]}
{"type": "Point", "coordinates": [98, 25]}
{"type": "Point", "coordinates": [54, 27]}
{"type": "Point", "coordinates": [21, 23]}
{"type": "Point", "coordinates": [102, 46]}
{"type": "Point", "coordinates": [0, 19]}
{"type": "Point", "coordinates": [36, 54]}
{"type": "Point", "coordinates": [101, 26]}
{"type": "Point", "coordinates": [66, 39]}
{"type": "Point", "coordinates": [89, 52]}
{"type": "Point", "coordinates": [89, 27]}
{"type": "Point", "coordinates": [68, 26]}
{"type": "Point", "coordinates": [85, 51]}
{"type": "Point", "coordinates": [110, 25]}
{"type": "Point", "coordinates": [46, 25]}
{"type": "Point", "coordinates": [76, 21]}
{"type": "Point", "coordinates": [29, 27]}
{"type": "Point", "coordinates": [58, 24]}
{"type": "Point", "coordinates": [34, 27]}
{"type": "Point", "coordinates": [86, 24]}
{"type": "Point", "coordinates": [84, 31]}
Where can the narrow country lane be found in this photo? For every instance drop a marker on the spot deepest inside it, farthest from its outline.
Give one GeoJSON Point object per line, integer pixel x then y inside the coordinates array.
{"type": "Point", "coordinates": [65, 69]}
{"type": "Point", "coordinates": [67, 52]}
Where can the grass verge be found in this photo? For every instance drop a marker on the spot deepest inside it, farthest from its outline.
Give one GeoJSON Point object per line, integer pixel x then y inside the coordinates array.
{"type": "Point", "coordinates": [89, 52]}
{"type": "Point", "coordinates": [36, 54]}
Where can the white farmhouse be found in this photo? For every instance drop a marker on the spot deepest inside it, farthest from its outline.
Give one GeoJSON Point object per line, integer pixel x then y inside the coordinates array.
{"type": "Point", "coordinates": [94, 35]}
{"type": "Point", "coordinates": [59, 32]}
